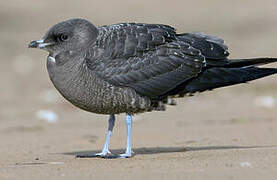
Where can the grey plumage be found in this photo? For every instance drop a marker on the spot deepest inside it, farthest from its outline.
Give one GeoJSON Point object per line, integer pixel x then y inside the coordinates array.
{"type": "Point", "coordinates": [134, 67]}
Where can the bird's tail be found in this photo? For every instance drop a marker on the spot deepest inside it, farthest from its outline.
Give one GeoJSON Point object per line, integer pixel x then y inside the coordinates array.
{"type": "Point", "coordinates": [238, 63]}
{"type": "Point", "coordinates": [235, 72]}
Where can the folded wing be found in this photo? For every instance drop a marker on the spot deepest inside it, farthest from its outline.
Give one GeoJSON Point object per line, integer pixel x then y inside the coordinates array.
{"type": "Point", "coordinates": [148, 58]}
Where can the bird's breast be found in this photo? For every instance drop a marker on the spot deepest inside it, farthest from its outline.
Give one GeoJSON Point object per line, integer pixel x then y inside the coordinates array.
{"type": "Point", "coordinates": [84, 89]}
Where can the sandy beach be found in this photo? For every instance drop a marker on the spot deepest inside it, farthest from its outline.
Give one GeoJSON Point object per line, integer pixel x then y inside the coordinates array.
{"type": "Point", "coordinates": [229, 133]}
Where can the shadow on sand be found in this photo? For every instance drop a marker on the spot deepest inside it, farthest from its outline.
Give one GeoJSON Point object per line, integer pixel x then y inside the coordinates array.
{"type": "Point", "coordinates": [159, 150]}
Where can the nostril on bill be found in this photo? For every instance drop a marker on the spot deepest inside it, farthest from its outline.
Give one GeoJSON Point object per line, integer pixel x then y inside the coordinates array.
{"type": "Point", "coordinates": [33, 44]}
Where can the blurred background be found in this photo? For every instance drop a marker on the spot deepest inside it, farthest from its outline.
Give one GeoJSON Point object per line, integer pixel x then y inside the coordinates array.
{"type": "Point", "coordinates": [35, 119]}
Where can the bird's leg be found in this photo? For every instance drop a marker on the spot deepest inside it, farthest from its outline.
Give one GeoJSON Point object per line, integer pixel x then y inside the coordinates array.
{"type": "Point", "coordinates": [128, 152]}
{"type": "Point", "coordinates": [105, 151]}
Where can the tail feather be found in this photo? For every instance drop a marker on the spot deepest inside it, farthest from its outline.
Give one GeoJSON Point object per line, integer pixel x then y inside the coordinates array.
{"type": "Point", "coordinates": [235, 63]}
{"type": "Point", "coordinates": [221, 73]}
{"type": "Point", "coordinates": [221, 76]}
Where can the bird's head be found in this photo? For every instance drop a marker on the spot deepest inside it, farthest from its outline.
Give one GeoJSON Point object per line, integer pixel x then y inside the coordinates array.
{"type": "Point", "coordinates": [70, 35]}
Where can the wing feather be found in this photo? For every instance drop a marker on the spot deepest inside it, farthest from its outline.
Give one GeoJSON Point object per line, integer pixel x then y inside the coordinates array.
{"type": "Point", "coordinates": [211, 47]}
{"type": "Point", "coordinates": [146, 57]}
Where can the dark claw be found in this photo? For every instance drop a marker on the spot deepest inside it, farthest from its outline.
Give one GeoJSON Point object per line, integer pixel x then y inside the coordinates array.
{"type": "Point", "coordinates": [108, 156]}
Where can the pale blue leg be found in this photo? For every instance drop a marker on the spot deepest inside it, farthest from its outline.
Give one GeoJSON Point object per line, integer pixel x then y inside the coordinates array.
{"type": "Point", "coordinates": [128, 152]}
{"type": "Point", "coordinates": [105, 150]}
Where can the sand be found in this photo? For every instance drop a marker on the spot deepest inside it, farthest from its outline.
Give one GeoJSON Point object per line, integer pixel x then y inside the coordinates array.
{"type": "Point", "coordinates": [229, 133]}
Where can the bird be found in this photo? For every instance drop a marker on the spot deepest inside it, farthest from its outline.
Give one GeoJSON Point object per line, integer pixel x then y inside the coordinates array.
{"type": "Point", "coordinates": [137, 67]}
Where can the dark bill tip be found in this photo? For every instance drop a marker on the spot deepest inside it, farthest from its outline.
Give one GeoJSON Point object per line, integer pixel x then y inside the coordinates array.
{"type": "Point", "coordinates": [33, 44]}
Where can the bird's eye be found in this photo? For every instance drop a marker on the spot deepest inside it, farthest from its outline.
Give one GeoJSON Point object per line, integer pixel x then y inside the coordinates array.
{"type": "Point", "coordinates": [63, 37]}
